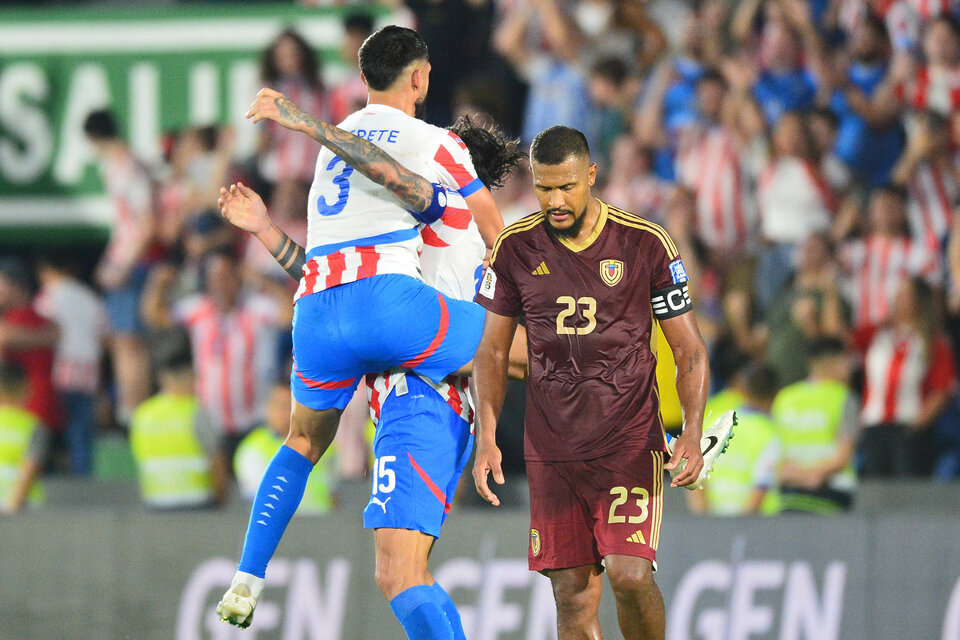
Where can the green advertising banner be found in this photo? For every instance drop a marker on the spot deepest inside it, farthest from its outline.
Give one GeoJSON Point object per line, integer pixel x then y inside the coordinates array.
{"type": "Point", "coordinates": [159, 69]}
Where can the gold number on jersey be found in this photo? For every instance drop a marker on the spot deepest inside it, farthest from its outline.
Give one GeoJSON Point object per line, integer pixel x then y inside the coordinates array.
{"type": "Point", "coordinates": [589, 312]}
{"type": "Point", "coordinates": [621, 494]}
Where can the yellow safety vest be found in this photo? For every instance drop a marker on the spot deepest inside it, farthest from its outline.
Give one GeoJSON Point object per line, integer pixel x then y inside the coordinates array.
{"type": "Point", "coordinates": [257, 449]}
{"type": "Point", "coordinates": [173, 467]}
{"type": "Point", "coordinates": [16, 430]}
{"type": "Point", "coordinates": [732, 481]}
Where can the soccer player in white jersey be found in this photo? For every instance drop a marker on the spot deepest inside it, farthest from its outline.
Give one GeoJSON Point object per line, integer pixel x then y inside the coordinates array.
{"type": "Point", "coordinates": [362, 263]}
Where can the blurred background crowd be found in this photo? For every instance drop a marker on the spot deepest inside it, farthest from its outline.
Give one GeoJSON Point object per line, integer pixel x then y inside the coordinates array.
{"type": "Point", "coordinates": [803, 154]}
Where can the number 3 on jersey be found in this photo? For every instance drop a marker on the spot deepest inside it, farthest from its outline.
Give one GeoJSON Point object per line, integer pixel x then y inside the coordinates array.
{"type": "Point", "coordinates": [343, 182]}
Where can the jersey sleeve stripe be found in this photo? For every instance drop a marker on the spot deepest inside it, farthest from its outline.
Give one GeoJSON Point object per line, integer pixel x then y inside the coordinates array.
{"type": "Point", "coordinates": [471, 188]}
{"type": "Point", "coordinates": [523, 224]}
{"type": "Point", "coordinates": [668, 245]}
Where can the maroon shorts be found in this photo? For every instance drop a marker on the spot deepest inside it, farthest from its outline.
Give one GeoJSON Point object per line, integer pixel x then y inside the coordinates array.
{"type": "Point", "coordinates": [585, 510]}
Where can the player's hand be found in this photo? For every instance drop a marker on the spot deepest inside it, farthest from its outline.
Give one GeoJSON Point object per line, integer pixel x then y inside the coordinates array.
{"type": "Point", "coordinates": [275, 106]}
{"type": "Point", "coordinates": [242, 207]}
{"type": "Point", "coordinates": [487, 461]}
{"type": "Point", "coordinates": [686, 447]}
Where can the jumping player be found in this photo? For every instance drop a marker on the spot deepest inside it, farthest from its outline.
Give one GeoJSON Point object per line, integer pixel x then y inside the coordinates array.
{"type": "Point", "coordinates": [395, 68]}
{"type": "Point", "coordinates": [590, 279]}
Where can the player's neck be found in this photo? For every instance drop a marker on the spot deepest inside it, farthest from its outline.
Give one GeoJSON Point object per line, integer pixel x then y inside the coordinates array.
{"type": "Point", "coordinates": [590, 222]}
{"type": "Point", "coordinates": [392, 99]}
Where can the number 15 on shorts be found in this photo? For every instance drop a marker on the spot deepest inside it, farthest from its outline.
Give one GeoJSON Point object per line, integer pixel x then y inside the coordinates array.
{"type": "Point", "coordinates": [384, 478]}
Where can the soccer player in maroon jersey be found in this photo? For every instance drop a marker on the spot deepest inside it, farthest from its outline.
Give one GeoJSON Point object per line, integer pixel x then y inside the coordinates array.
{"type": "Point", "coordinates": [588, 279]}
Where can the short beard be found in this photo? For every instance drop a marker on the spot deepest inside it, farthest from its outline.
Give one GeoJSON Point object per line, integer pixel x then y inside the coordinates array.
{"type": "Point", "coordinates": [569, 232]}
{"type": "Point", "coordinates": [420, 109]}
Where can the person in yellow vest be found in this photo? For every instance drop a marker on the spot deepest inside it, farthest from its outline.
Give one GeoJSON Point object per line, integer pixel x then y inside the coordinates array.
{"type": "Point", "coordinates": [259, 446]}
{"type": "Point", "coordinates": [746, 482]}
{"type": "Point", "coordinates": [24, 442]}
{"type": "Point", "coordinates": [819, 424]}
{"type": "Point", "coordinates": [179, 464]}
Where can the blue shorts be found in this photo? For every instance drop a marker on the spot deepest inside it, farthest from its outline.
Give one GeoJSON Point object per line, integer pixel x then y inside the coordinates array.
{"type": "Point", "coordinates": [375, 324]}
{"type": "Point", "coordinates": [123, 304]}
{"type": "Point", "coordinates": [421, 447]}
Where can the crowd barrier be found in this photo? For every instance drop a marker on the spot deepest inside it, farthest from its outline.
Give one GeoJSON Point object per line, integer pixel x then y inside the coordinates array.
{"type": "Point", "coordinates": [107, 573]}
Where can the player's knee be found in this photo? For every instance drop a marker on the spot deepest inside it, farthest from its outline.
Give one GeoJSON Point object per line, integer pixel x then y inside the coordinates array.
{"type": "Point", "coordinates": [574, 597]}
{"type": "Point", "coordinates": [630, 578]}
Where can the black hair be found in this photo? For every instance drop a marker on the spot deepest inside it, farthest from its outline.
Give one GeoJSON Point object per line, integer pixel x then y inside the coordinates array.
{"type": "Point", "coordinates": [761, 381]}
{"type": "Point", "coordinates": [358, 22]}
{"type": "Point", "coordinates": [13, 379]}
{"type": "Point", "coordinates": [556, 144]}
{"type": "Point", "coordinates": [897, 191]}
{"type": "Point", "coordinates": [308, 59]}
{"type": "Point", "coordinates": [100, 125]}
{"type": "Point", "coordinates": [385, 54]}
{"type": "Point", "coordinates": [877, 25]}
{"type": "Point", "coordinates": [712, 75]}
{"type": "Point", "coordinates": [494, 155]}
{"type": "Point", "coordinates": [208, 137]}
{"type": "Point", "coordinates": [825, 348]}
{"type": "Point", "coordinates": [826, 114]}
{"type": "Point", "coordinates": [611, 68]}
{"type": "Point", "coordinates": [176, 360]}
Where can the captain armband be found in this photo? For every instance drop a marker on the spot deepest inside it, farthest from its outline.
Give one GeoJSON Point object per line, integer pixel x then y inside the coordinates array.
{"type": "Point", "coordinates": [438, 204]}
{"type": "Point", "coordinates": [671, 301]}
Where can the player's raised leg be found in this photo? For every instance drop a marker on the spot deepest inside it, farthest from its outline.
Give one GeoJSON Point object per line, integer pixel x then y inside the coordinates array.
{"type": "Point", "coordinates": [277, 499]}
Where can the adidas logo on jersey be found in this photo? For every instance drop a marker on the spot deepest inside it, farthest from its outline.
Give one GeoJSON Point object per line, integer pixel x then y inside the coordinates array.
{"type": "Point", "coordinates": [541, 270]}
{"type": "Point", "coordinates": [637, 537]}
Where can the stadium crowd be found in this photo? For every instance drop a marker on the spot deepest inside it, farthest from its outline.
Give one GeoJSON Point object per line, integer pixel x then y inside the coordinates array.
{"type": "Point", "coordinates": [803, 154]}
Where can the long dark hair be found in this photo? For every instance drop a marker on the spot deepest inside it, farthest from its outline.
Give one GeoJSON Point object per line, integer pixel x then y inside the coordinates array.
{"type": "Point", "coordinates": [310, 63]}
{"type": "Point", "coordinates": [494, 154]}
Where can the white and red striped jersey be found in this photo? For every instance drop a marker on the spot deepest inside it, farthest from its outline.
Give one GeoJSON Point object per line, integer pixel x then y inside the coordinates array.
{"type": "Point", "coordinates": [794, 201]}
{"type": "Point", "coordinates": [710, 162]}
{"type": "Point", "coordinates": [131, 192]}
{"type": "Point", "coordinates": [900, 370]}
{"type": "Point", "coordinates": [904, 18]}
{"type": "Point", "coordinates": [932, 89]}
{"type": "Point", "coordinates": [358, 229]}
{"type": "Point", "coordinates": [933, 192]}
{"type": "Point", "coordinates": [453, 389]}
{"type": "Point", "coordinates": [232, 352]}
{"type": "Point", "coordinates": [878, 265]}
{"type": "Point", "coordinates": [290, 155]}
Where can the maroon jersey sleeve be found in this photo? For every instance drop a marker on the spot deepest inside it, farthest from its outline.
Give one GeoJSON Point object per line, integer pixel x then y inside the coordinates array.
{"type": "Point", "coordinates": [669, 295]}
{"type": "Point", "coordinates": [498, 290]}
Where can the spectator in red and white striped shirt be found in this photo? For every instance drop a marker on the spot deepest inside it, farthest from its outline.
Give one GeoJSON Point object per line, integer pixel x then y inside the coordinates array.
{"type": "Point", "coordinates": [934, 85]}
{"type": "Point", "coordinates": [794, 202]}
{"type": "Point", "coordinates": [712, 162]}
{"type": "Point", "coordinates": [886, 256]}
{"type": "Point", "coordinates": [910, 377]}
{"type": "Point", "coordinates": [232, 336]}
{"type": "Point", "coordinates": [291, 67]}
{"type": "Point", "coordinates": [927, 171]}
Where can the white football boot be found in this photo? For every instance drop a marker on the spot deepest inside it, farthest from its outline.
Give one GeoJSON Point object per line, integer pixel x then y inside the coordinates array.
{"type": "Point", "coordinates": [714, 442]}
{"type": "Point", "coordinates": [241, 598]}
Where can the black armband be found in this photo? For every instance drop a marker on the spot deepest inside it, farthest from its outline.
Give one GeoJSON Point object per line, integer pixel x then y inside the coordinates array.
{"type": "Point", "coordinates": [438, 204]}
{"type": "Point", "coordinates": [671, 301]}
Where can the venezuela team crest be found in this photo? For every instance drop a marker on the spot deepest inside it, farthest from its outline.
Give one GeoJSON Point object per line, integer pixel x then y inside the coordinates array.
{"type": "Point", "coordinates": [535, 542]}
{"type": "Point", "coordinates": [611, 271]}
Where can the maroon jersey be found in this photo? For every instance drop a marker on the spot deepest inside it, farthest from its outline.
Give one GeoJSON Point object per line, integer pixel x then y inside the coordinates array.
{"type": "Point", "coordinates": [588, 310]}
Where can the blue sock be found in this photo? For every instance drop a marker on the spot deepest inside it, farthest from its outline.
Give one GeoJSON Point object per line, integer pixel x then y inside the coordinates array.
{"type": "Point", "coordinates": [421, 615]}
{"type": "Point", "coordinates": [278, 497]}
{"type": "Point", "coordinates": [450, 610]}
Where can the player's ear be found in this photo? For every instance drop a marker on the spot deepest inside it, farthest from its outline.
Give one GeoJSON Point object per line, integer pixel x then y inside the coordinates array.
{"type": "Point", "coordinates": [363, 78]}
{"type": "Point", "coordinates": [592, 174]}
{"type": "Point", "coordinates": [416, 79]}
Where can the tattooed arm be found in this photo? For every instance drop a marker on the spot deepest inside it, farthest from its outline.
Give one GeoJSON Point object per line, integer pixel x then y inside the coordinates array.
{"type": "Point", "coordinates": [364, 156]}
{"type": "Point", "coordinates": [243, 208]}
{"type": "Point", "coordinates": [693, 381]}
